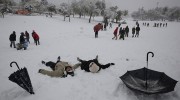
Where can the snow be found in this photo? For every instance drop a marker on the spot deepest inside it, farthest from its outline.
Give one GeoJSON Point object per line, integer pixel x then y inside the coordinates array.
{"type": "Point", "coordinates": [76, 39]}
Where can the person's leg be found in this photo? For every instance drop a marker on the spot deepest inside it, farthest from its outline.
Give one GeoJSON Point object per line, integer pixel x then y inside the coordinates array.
{"type": "Point", "coordinates": [14, 44]}
{"type": "Point", "coordinates": [38, 42]}
{"type": "Point", "coordinates": [11, 44]}
{"type": "Point", "coordinates": [96, 34]}
{"type": "Point", "coordinates": [49, 64]}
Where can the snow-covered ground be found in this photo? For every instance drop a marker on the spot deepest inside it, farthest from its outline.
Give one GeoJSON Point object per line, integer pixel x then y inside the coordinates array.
{"type": "Point", "coordinates": [76, 39]}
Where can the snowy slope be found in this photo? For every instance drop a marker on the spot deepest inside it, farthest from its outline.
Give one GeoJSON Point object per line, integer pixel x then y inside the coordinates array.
{"type": "Point", "coordinates": [76, 39]}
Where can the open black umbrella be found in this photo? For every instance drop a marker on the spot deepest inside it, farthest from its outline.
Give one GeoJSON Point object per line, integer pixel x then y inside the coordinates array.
{"type": "Point", "coordinates": [21, 77]}
{"type": "Point", "coordinates": [148, 81]}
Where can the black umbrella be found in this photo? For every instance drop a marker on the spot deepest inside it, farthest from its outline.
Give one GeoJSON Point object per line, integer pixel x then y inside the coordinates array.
{"type": "Point", "coordinates": [148, 81]}
{"type": "Point", "coordinates": [21, 77]}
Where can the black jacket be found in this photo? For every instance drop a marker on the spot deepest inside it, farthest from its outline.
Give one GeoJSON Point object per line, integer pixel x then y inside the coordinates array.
{"type": "Point", "coordinates": [12, 37]}
{"type": "Point", "coordinates": [138, 28]}
{"type": "Point", "coordinates": [22, 39]}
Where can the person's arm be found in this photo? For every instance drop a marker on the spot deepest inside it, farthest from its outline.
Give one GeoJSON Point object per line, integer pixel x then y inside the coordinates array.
{"type": "Point", "coordinates": [77, 65]}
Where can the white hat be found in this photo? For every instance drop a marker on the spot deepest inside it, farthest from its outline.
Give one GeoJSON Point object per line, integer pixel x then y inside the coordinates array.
{"type": "Point", "coordinates": [93, 67]}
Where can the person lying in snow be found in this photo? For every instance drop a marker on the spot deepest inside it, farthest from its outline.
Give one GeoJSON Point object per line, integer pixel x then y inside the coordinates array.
{"type": "Point", "coordinates": [59, 69]}
{"type": "Point", "coordinates": [93, 65]}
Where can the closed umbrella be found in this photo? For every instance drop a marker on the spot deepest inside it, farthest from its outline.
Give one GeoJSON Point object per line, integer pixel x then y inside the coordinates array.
{"type": "Point", "coordinates": [21, 77]}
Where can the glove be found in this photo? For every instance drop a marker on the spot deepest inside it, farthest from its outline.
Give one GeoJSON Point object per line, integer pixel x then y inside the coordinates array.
{"type": "Point", "coordinates": [43, 62]}
{"type": "Point", "coordinates": [59, 58]}
{"type": "Point", "coordinates": [40, 70]}
{"type": "Point", "coordinates": [112, 64]}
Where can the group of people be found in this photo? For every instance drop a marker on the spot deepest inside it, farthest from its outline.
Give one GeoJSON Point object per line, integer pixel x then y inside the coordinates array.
{"type": "Point", "coordinates": [155, 24]}
{"type": "Point", "coordinates": [23, 40]}
{"type": "Point", "coordinates": [63, 68]}
{"type": "Point", "coordinates": [124, 32]}
{"type": "Point", "coordinates": [160, 25]}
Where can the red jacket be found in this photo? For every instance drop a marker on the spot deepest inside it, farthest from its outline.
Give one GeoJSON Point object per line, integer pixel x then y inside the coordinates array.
{"type": "Point", "coordinates": [115, 31]}
{"type": "Point", "coordinates": [36, 36]}
{"type": "Point", "coordinates": [97, 27]}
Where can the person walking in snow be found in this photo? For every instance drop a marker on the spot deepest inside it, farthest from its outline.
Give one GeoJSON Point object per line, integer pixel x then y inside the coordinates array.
{"type": "Point", "coordinates": [93, 65]}
{"type": "Point", "coordinates": [12, 39]}
{"type": "Point", "coordinates": [110, 25]}
{"type": "Point", "coordinates": [137, 31]}
{"type": "Point", "coordinates": [35, 37]}
{"type": "Point", "coordinates": [105, 26]}
{"type": "Point", "coordinates": [115, 33]}
{"type": "Point", "coordinates": [122, 33]}
{"type": "Point", "coordinates": [59, 69]}
{"type": "Point", "coordinates": [97, 28]}
{"type": "Point", "coordinates": [126, 31]}
{"type": "Point", "coordinates": [27, 36]}
{"type": "Point", "coordinates": [133, 31]}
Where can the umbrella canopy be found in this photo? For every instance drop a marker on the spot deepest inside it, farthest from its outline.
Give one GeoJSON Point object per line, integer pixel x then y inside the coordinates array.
{"type": "Point", "coordinates": [21, 77]}
{"type": "Point", "coordinates": [157, 82]}
{"type": "Point", "coordinates": [148, 81]}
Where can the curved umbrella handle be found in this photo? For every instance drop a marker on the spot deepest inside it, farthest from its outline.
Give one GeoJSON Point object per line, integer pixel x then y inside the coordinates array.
{"type": "Point", "coordinates": [15, 63]}
{"type": "Point", "coordinates": [148, 55]}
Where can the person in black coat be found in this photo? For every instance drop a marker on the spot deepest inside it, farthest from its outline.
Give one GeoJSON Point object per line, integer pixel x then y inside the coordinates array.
{"type": "Point", "coordinates": [137, 31]}
{"type": "Point", "coordinates": [133, 31]}
{"type": "Point", "coordinates": [127, 30]}
{"type": "Point", "coordinates": [122, 33]}
{"type": "Point", "coordinates": [22, 39]}
{"type": "Point", "coordinates": [12, 39]}
{"type": "Point", "coordinates": [93, 65]}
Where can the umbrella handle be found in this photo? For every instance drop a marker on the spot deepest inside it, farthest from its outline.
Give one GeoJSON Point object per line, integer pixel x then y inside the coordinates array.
{"type": "Point", "coordinates": [15, 63]}
{"type": "Point", "coordinates": [148, 55]}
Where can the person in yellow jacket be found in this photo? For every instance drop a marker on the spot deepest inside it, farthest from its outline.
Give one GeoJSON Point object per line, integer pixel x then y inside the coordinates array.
{"type": "Point", "coordinates": [59, 69]}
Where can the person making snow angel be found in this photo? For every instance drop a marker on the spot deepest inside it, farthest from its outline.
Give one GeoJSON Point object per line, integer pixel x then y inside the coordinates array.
{"type": "Point", "coordinates": [93, 65]}
{"type": "Point", "coordinates": [59, 69]}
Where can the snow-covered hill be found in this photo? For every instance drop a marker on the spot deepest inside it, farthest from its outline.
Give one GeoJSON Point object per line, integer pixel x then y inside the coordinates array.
{"type": "Point", "coordinates": [76, 39]}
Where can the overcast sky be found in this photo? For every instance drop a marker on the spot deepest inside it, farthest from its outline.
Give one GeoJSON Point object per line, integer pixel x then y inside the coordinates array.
{"type": "Point", "coordinates": [133, 5]}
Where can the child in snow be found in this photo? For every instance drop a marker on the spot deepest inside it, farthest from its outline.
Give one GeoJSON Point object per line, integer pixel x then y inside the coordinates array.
{"type": "Point", "coordinates": [59, 69]}
{"type": "Point", "coordinates": [93, 65]}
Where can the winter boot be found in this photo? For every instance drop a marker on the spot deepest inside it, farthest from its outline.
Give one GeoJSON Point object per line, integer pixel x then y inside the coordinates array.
{"type": "Point", "coordinates": [43, 62]}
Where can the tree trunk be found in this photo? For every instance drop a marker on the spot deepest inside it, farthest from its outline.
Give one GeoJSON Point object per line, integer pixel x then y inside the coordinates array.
{"type": "Point", "coordinates": [90, 17]}
{"type": "Point", "coordinates": [69, 18]}
{"type": "Point", "coordinates": [64, 17]}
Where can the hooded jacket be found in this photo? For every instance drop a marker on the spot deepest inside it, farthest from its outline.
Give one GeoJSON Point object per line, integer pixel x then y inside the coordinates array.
{"type": "Point", "coordinates": [59, 69]}
{"type": "Point", "coordinates": [12, 37]}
